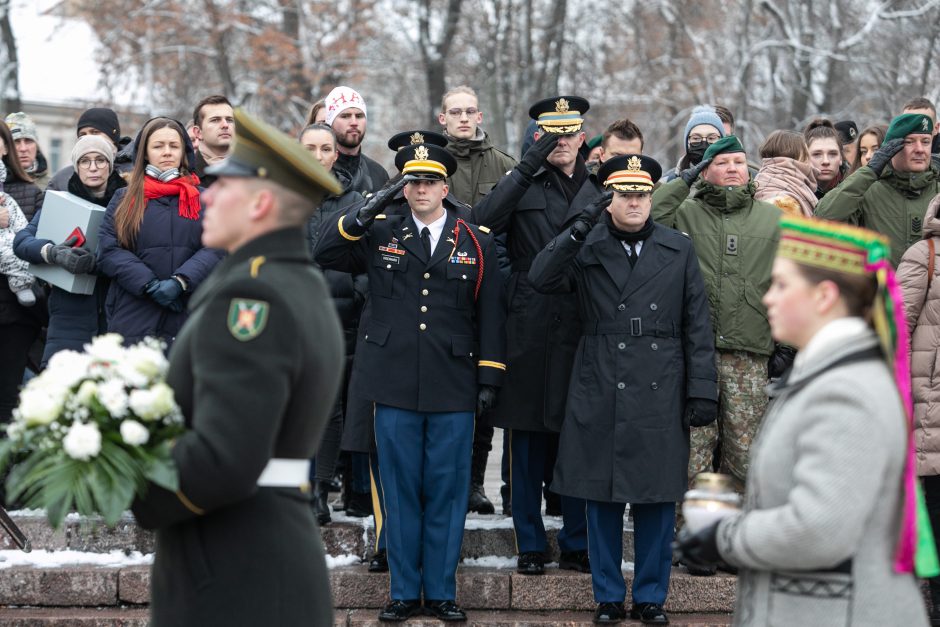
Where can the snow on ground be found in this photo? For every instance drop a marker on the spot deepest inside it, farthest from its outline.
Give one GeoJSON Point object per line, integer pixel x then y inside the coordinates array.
{"type": "Point", "coordinates": [53, 559]}
{"type": "Point", "coordinates": [335, 561]}
{"type": "Point", "coordinates": [490, 561]}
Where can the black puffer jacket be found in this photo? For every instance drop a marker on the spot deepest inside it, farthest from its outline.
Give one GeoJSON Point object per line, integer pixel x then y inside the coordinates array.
{"type": "Point", "coordinates": [26, 194]}
{"type": "Point", "coordinates": [348, 290]}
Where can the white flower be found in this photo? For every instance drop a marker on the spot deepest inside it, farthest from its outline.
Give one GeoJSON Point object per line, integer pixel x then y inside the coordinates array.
{"type": "Point", "coordinates": [113, 397]}
{"type": "Point", "coordinates": [134, 433]}
{"type": "Point", "coordinates": [86, 392]}
{"type": "Point", "coordinates": [83, 441]}
{"type": "Point", "coordinates": [41, 402]}
{"type": "Point", "coordinates": [15, 429]}
{"type": "Point", "coordinates": [153, 403]}
{"type": "Point", "coordinates": [142, 364]}
{"type": "Point", "coordinates": [106, 347]}
{"type": "Point", "coordinates": [67, 367]}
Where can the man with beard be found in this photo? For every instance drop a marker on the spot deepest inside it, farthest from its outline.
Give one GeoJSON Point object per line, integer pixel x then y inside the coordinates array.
{"type": "Point", "coordinates": [214, 128]}
{"type": "Point", "coordinates": [346, 114]}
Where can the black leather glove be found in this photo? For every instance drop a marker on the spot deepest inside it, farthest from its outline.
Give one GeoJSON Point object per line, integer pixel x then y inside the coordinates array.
{"type": "Point", "coordinates": [166, 293]}
{"type": "Point", "coordinates": [74, 260]}
{"type": "Point", "coordinates": [380, 200]}
{"type": "Point", "coordinates": [700, 412]}
{"type": "Point", "coordinates": [699, 549]}
{"type": "Point", "coordinates": [690, 174]}
{"type": "Point", "coordinates": [535, 156]}
{"type": "Point", "coordinates": [884, 154]}
{"type": "Point", "coordinates": [486, 399]}
{"type": "Point", "coordinates": [780, 361]}
{"type": "Point", "coordinates": [589, 215]}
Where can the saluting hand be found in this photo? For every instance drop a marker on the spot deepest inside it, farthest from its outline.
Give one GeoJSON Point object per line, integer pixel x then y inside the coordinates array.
{"type": "Point", "coordinates": [690, 174]}
{"type": "Point", "coordinates": [589, 215]}
{"type": "Point", "coordinates": [380, 200]}
{"type": "Point", "coordinates": [884, 154]}
{"type": "Point", "coordinates": [536, 155]}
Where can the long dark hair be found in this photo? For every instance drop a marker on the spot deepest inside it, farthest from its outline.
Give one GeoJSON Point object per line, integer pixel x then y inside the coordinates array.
{"type": "Point", "coordinates": [130, 212]}
{"type": "Point", "coordinates": [10, 160]}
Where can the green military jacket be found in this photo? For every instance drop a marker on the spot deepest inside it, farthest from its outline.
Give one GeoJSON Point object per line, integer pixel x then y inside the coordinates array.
{"type": "Point", "coordinates": [735, 239]}
{"type": "Point", "coordinates": [480, 165]}
{"type": "Point", "coordinates": [893, 205]}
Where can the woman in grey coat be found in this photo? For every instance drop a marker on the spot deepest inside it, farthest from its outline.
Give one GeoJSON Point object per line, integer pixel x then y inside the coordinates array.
{"type": "Point", "coordinates": [827, 535]}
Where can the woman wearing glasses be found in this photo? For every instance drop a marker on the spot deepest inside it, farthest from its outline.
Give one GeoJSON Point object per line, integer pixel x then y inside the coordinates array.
{"type": "Point", "coordinates": [702, 130]}
{"type": "Point", "coordinates": [75, 318]}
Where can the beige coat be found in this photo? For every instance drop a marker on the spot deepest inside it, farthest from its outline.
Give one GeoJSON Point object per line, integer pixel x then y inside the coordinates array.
{"type": "Point", "coordinates": [922, 306]}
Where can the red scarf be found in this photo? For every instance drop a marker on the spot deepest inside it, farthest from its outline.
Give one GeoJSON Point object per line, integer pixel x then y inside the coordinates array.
{"type": "Point", "coordinates": [183, 186]}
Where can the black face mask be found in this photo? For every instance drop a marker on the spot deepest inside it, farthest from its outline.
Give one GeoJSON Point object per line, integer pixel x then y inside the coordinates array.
{"type": "Point", "coordinates": [696, 151]}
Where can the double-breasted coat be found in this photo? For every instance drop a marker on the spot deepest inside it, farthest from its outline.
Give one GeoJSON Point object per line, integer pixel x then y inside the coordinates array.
{"type": "Point", "coordinates": [645, 346]}
{"type": "Point", "coordinates": [255, 371]}
{"type": "Point", "coordinates": [542, 330]}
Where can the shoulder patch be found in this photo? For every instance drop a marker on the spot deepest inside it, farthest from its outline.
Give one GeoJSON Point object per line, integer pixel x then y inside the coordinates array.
{"type": "Point", "coordinates": [247, 318]}
{"type": "Point", "coordinates": [483, 229]}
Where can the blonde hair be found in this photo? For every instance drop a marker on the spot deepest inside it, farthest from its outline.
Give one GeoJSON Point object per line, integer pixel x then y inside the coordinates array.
{"type": "Point", "coordinates": [460, 89]}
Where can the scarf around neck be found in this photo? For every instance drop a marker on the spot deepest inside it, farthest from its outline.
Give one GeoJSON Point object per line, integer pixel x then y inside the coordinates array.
{"type": "Point", "coordinates": [627, 236]}
{"type": "Point", "coordinates": [788, 177]}
{"type": "Point", "coordinates": [183, 186]}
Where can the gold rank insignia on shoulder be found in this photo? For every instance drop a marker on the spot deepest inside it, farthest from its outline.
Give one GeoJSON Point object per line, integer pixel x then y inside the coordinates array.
{"type": "Point", "coordinates": [634, 163]}
{"type": "Point", "coordinates": [421, 153]}
{"type": "Point", "coordinates": [484, 229]}
{"type": "Point", "coordinates": [417, 138]}
{"type": "Point", "coordinates": [561, 106]}
{"type": "Point", "coordinates": [247, 318]}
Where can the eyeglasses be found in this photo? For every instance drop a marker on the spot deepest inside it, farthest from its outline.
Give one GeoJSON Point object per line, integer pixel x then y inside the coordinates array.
{"type": "Point", "coordinates": [697, 139]}
{"type": "Point", "coordinates": [85, 163]}
{"type": "Point", "coordinates": [456, 113]}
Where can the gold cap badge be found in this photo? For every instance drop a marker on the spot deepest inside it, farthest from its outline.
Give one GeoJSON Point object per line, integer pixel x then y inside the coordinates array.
{"type": "Point", "coordinates": [561, 106]}
{"type": "Point", "coordinates": [421, 153]}
{"type": "Point", "coordinates": [417, 138]}
{"type": "Point", "coordinates": [634, 163]}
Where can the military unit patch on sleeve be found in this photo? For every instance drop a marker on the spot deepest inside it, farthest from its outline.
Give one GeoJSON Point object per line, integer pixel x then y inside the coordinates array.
{"type": "Point", "coordinates": [247, 318]}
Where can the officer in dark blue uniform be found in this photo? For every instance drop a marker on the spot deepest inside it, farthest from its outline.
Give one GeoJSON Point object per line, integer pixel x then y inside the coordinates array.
{"type": "Point", "coordinates": [431, 348]}
{"type": "Point", "coordinates": [540, 197]}
{"type": "Point", "coordinates": [643, 375]}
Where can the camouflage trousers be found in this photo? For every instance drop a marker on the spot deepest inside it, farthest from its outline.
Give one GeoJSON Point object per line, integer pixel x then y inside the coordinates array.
{"type": "Point", "coordinates": [742, 400]}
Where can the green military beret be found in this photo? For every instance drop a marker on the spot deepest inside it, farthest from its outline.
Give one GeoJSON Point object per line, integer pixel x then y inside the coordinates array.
{"type": "Point", "coordinates": [908, 123]}
{"type": "Point", "coordinates": [595, 141]}
{"type": "Point", "coordinates": [261, 151]}
{"type": "Point", "coordinates": [728, 143]}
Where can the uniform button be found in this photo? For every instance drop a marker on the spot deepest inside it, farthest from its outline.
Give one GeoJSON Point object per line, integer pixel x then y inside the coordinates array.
{"type": "Point", "coordinates": [622, 345]}
{"type": "Point", "coordinates": [621, 307]}
{"type": "Point", "coordinates": [424, 292]}
{"type": "Point", "coordinates": [654, 346]}
{"type": "Point", "coordinates": [427, 275]}
{"type": "Point", "coordinates": [367, 336]}
{"type": "Point", "coordinates": [654, 386]}
{"type": "Point", "coordinates": [721, 337]}
{"type": "Point", "coordinates": [422, 326]}
{"type": "Point", "coordinates": [388, 266]}
{"type": "Point", "coordinates": [653, 306]}
{"type": "Point", "coordinates": [621, 385]}
{"type": "Point", "coordinates": [463, 276]}
{"type": "Point", "coordinates": [424, 308]}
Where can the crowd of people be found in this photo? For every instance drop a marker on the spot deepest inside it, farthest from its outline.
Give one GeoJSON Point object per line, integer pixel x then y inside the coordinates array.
{"type": "Point", "coordinates": [618, 319]}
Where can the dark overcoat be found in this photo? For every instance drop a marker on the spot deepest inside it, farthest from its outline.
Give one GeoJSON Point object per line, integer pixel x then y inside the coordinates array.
{"type": "Point", "coordinates": [645, 346]}
{"type": "Point", "coordinates": [229, 552]}
{"type": "Point", "coordinates": [542, 330]}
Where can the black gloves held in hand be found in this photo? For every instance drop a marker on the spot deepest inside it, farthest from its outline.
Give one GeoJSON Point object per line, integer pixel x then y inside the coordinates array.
{"type": "Point", "coordinates": [780, 361]}
{"type": "Point", "coordinates": [589, 216]}
{"type": "Point", "coordinates": [699, 549]}
{"type": "Point", "coordinates": [700, 412]}
{"type": "Point", "coordinates": [74, 260]}
{"type": "Point", "coordinates": [536, 155]}
{"type": "Point", "coordinates": [380, 200]}
{"type": "Point", "coordinates": [690, 174]}
{"type": "Point", "coordinates": [486, 399]}
{"type": "Point", "coordinates": [166, 293]}
{"type": "Point", "coordinates": [884, 154]}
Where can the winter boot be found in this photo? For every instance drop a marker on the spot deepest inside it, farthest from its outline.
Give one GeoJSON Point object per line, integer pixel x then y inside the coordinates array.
{"type": "Point", "coordinates": [478, 502]}
{"type": "Point", "coordinates": [321, 506]}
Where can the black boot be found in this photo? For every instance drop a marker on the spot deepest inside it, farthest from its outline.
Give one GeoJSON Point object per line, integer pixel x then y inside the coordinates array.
{"type": "Point", "coordinates": [360, 505]}
{"type": "Point", "coordinates": [478, 502]}
{"type": "Point", "coordinates": [321, 505]}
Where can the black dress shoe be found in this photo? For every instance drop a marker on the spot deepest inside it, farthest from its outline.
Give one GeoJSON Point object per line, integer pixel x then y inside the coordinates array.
{"type": "Point", "coordinates": [321, 506]}
{"type": "Point", "coordinates": [575, 560]}
{"type": "Point", "coordinates": [531, 563]}
{"type": "Point", "coordinates": [378, 563]}
{"type": "Point", "coordinates": [697, 571]}
{"type": "Point", "coordinates": [360, 505]}
{"type": "Point", "coordinates": [447, 611]}
{"type": "Point", "coordinates": [398, 611]}
{"type": "Point", "coordinates": [649, 613]}
{"type": "Point", "coordinates": [478, 502]}
{"type": "Point", "coordinates": [609, 613]}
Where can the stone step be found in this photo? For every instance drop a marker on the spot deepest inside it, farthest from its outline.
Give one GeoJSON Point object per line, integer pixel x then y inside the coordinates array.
{"type": "Point", "coordinates": [354, 587]}
{"type": "Point", "coordinates": [484, 536]}
{"type": "Point", "coordinates": [138, 617]}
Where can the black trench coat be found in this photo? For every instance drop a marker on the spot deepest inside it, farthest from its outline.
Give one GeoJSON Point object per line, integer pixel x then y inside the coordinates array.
{"type": "Point", "coordinates": [646, 346]}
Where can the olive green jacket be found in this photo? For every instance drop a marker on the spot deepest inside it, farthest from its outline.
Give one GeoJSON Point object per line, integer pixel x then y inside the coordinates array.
{"type": "Point", "coordinates": [480, 165]}
{"type": "Point", "coordinates": [894, 205]}
{"type": "Point", "coordinates": [735, 239]}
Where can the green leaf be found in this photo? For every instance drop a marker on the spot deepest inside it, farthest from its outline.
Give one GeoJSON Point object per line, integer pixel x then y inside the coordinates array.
{"type": "Point", "coordinates": [162, 471]}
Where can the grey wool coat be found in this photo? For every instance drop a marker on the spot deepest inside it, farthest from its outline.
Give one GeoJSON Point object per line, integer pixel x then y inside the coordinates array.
{"type": "Point", "coordinates": [646, 346]}
{"type": "Point", "coordinates": [815, 544]}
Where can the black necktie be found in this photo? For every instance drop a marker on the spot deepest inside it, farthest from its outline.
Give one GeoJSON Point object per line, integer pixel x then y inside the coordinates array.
{"type": "Point", "coordinates": [631, 253]}
{"type": "Point", "coordinates": [426, 241]}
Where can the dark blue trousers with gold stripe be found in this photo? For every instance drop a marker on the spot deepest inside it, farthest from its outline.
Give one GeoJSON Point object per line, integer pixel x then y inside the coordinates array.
{"type": "Point", "coordinates": [424, 464]}
{"type": "Point", "coordinates": [653, 525]}
{"type": "Point", "coordinates": [528, 469]}
{"type": "Point", "coordinates": [378, 503]}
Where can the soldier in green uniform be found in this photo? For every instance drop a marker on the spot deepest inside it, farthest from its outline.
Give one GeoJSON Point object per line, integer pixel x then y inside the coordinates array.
{"type": "Point", "coordinates": [255, 371]}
